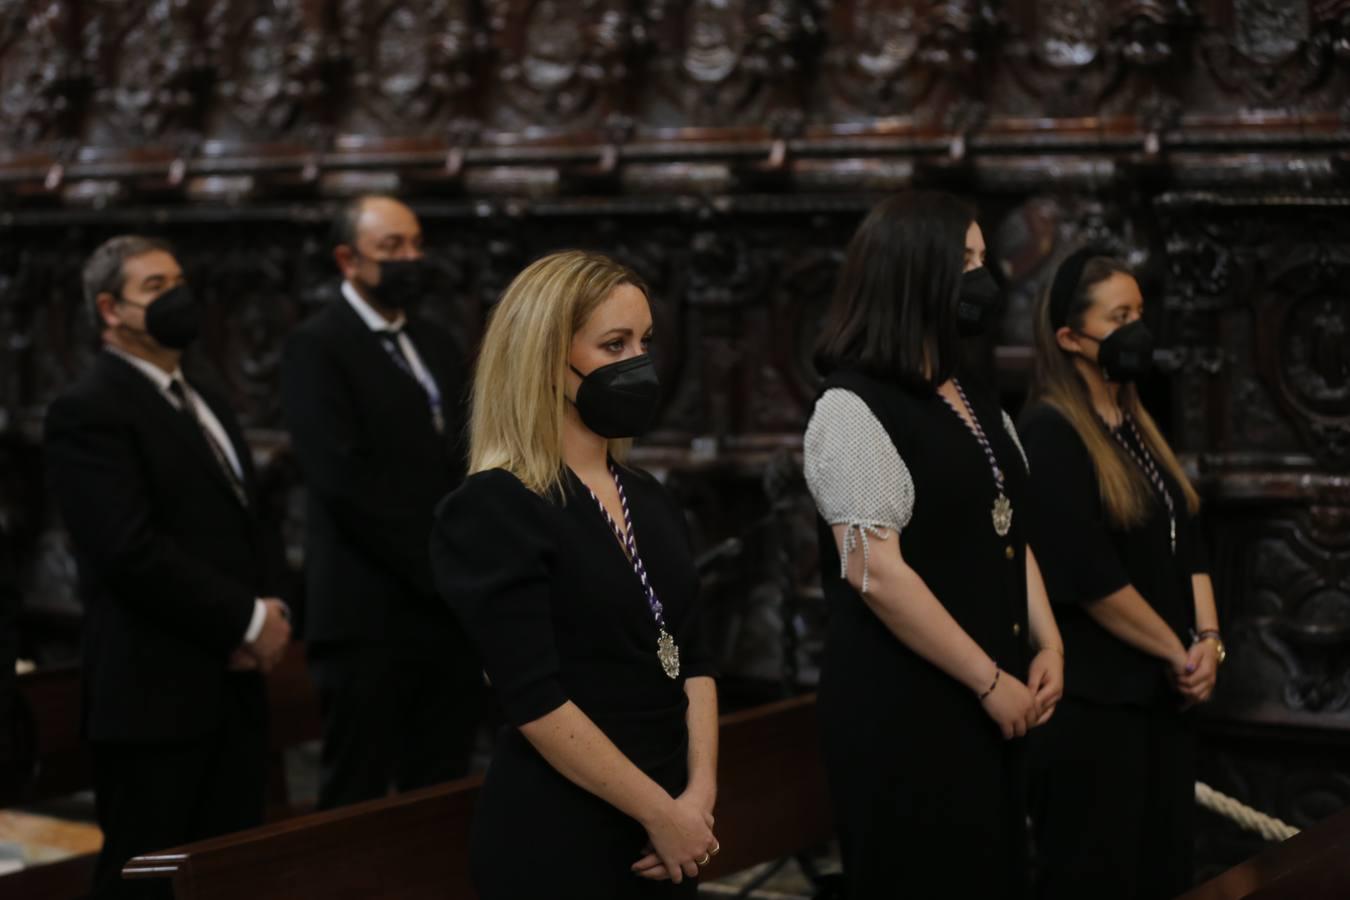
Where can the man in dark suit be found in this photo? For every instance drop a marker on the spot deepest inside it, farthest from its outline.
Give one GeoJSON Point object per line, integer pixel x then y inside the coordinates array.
{"type": "Point", "coordinates": [177, 573]}
{"type": "Point", "coordinates": [372, 396]}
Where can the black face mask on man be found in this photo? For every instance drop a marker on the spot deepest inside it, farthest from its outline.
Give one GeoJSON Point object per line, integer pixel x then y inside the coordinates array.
{"type": "Point", "coordinates": [980, 303]}
{"type": "Point", "coordinates": [619, 400]}
{"type": "Point", "coordinates": [402, 281]}
{"type": "Point", "coordinates": [173, 319]}
{"type": "Point", "coordinates": [1126, 354]}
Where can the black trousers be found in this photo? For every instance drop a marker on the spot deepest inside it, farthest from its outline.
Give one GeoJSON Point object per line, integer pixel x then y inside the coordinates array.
{"type": "Point", "coordinates": [393, 717]}
{"type": "Point", "coordinates": [153, 796]}
{"type": "Point", "coordinates": [1113, 802]}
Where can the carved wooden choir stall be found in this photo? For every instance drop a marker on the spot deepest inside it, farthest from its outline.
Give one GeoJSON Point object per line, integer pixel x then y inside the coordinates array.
{"type": "Point", "coordinates": [726, 149]}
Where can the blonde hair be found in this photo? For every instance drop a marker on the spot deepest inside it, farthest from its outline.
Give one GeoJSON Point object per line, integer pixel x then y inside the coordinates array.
{"type": "Point", "coordinates": [1125, 492]}
{"type": "Point", "coordinates": [519, 401]}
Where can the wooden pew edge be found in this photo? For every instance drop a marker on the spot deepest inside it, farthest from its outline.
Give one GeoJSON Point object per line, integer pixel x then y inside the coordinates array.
{"type": "Point", "coordinates": [1285, 860]}
{"type": "Point", "coordinates": [180, 863]}
{"type": "Point", "coordinates": [280, 836]}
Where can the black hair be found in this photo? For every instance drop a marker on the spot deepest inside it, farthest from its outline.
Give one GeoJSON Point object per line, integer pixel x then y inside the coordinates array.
{"type": "Point", "coordinates": [893, 313]}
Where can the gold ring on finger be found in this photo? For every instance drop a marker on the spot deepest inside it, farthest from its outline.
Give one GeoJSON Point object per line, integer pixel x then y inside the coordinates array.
{"type": "Point", "coordinates": [703, 861]}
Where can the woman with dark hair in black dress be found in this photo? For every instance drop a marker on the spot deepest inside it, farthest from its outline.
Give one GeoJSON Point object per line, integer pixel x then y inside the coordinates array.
{"type": "Point", "coordinates": [1116, 519]}
{"type": "Point", "coordinates": [572, 572]}
{"type": "Point", "coordinates": [941, 650]}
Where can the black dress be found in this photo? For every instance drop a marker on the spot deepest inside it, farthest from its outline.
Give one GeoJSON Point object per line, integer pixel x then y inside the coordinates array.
{"type": "Point", "coordinates": [549, 596]}
{"type": "Point", "coordinates": [928, 795]}
{"type": "Point", "coordinates": [1113, 772]}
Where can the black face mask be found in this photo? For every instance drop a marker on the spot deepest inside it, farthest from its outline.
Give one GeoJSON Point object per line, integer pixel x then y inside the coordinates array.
{"type": "Point", "coordinates": [1126, 354]}
{"type": "Point", "coordinates": [173, 319]}
{"type": "Point", "coordinates": [402, 281]}
{"type": "Point", "coordinates": [980, 303]}
{"type": "Point", "coordinates": [619, 400]}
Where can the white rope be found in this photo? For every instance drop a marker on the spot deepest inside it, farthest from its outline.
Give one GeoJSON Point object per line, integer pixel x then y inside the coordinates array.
{"type": "Point", "coordinates": [1269, 827]}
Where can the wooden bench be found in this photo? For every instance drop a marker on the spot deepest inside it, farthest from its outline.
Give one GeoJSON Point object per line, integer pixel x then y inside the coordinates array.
{"type": "Point", "coordinates": [772, 803]}
{"type": "Point", "coordinates": [58, 758]}
{"type": "Point", "coordinates": [59, 755]}
{"type": "Point", "coordinates": [1312, 865]}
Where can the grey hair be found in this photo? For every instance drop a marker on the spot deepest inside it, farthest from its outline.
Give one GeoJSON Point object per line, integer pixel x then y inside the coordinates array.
{"type": "Point", "coordinates": [103, 271]}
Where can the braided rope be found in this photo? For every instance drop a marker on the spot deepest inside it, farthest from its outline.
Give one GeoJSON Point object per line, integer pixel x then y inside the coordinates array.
{"type": "Point", "coordinates": [1269, 827]}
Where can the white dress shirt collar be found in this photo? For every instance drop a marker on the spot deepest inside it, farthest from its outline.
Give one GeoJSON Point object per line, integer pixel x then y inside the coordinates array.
{"type": "Point", "coordinates": [157, 376]}
{"type": "Point", "coordinates": [374, 321]}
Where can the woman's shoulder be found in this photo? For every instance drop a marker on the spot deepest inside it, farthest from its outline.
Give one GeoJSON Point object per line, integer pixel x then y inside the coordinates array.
{"type": "Point", "coordinates": [644, 484]}
{"type": "Point", "coordinates": [489, 491]}
{"type": "Point", "coordinates": [639, 480]}
{"type": "Point", "coordinates": [1049, 436]}
{"type": "Point", "coordinates": [1045, 420]}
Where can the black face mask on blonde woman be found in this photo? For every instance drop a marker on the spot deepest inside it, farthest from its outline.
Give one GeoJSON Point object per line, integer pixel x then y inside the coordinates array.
{"type": "Point", "coordinates": [619, 400]}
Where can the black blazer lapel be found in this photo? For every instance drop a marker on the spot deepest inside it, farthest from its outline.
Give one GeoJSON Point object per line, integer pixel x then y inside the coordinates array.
{"type": "Point", "coordinates": [373, 358]}
{"type": "Point", "coordinates": [225, 416]}
{"type": "Point", "coordinates": [165, 419]}
{"type": "Point", "coordinates": [430, 342]}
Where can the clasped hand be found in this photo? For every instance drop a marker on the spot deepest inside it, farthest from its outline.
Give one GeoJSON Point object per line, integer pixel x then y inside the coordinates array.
{"type": "Point", "coordinates": [269, 647]}
{"type": "Point", "coordinates": [1195, 674]}
{"type": "Point", "coordinates": [680, 838]}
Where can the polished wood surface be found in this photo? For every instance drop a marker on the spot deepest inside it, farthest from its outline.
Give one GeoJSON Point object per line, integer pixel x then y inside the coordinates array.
{"type": "Point", "coordinates": [772, 803]}
{"type": "Point", "coordinates": [65, 880]}
{"type": "Point", "coordinates": [1312, 865]}
{"type": "Point", "coordinates": [47, 837]}
{"type": "Point", "coordinates": [60, 756]}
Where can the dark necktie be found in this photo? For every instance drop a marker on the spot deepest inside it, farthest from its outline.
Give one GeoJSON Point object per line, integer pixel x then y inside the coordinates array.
{"type": "Point", "coordinates": [389, 338]}
{"type": "Point", "coordinates": [188, 409]}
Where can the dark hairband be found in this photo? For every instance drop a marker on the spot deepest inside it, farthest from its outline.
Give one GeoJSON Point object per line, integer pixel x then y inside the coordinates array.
{"type": "Point", "coordinates": [1067, 277]}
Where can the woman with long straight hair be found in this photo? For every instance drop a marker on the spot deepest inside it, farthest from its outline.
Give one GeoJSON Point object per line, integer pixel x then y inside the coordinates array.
{"type": "Point", "coordinates": [1114, 518]}
{"type": "Point", "coordinates": [573, 573]}
{"type": "Point", "coordinates": [941, 651]}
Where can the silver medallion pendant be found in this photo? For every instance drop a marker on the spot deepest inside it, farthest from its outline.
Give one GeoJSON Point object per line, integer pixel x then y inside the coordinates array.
{"type": "Point", "coordinates": [668, 654]}
{"type": "Point", "coordinates": [1002, 515]}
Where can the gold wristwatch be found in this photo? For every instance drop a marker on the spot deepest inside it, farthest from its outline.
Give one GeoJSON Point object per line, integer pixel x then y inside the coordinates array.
{"type": "Point", "coordinates": [1221, 653]}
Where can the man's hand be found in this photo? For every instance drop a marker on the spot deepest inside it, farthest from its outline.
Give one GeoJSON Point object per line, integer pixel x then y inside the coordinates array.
{"type": "Point", "coordinates": [241, 660]}
{"type": "Point", "coordinates": [269, 646]}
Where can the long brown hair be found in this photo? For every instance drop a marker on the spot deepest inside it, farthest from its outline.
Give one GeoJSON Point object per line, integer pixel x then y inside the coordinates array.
{"type": "Point", "coordinates": [893, 313]}
{"type": "Point", "coordinates": [1056, 382]}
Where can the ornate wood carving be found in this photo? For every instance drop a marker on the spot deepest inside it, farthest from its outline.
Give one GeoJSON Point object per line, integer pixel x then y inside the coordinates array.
{"type": "Point", "coordinates": [411, 60]}
{"type": "Point", "coordinates": [726, 149]}
{"type": "Point", "coordinates": [1271, 51]}
{"type": "Point", "coordinates": [39, 75]}
{"type": "Point", "coordinates": [267, 65]}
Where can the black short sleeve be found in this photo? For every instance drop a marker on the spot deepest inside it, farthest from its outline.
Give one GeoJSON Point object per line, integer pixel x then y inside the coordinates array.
{"type": "Point", "coordinates": [1067, 530]}
{"type": "Point", "coordinates": [491, 558]}
{"type": "Point", "coordinates": [1197, 547]}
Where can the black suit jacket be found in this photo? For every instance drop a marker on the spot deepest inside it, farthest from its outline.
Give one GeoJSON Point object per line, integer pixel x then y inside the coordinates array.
{"type": "Point", "coordinates": [374, 468]}
{"type": "Point", "coordinates": [170, 562]}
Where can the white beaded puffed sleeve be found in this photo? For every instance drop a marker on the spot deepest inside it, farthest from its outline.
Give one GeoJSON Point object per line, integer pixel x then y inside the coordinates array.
{"type": "Point", "coordinates": [855, 474]}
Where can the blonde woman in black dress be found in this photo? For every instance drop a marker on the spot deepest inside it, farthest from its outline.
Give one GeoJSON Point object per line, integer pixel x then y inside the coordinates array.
{"type": "Point", "coordinates": [941, 652]}
{"type": "Point", "coordinates": [573, 573]}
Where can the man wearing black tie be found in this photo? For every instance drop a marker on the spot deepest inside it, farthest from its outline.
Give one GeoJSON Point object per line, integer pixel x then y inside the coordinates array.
{"type": "Point", "coordinates": [372, 397]}
{"type": "Point", "coordinates": [177, 572]}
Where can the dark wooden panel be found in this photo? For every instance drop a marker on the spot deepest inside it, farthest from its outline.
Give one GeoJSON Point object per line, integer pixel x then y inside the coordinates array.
{"type": "Point", "coordinates": [1313, 865]}
{"type": "Point", "coordinates": [66, 880]}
